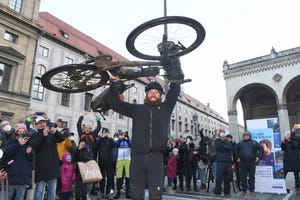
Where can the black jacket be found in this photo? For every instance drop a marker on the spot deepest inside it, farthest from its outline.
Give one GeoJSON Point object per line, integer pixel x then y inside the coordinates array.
{"type": "Point", "coordinates": [248, 150]}
{"type": "Point", "coordinates": [46, 155]}
{"type": "Point", "coordinates": [151, 124]}
{"type": "Point", "coordinates": [291, 156]}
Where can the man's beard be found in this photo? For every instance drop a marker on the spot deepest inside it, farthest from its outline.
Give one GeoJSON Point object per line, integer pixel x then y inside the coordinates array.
{"type": "Point", "coordinates": [157, 102]}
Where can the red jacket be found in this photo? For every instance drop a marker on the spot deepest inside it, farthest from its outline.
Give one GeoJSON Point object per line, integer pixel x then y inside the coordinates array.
{"type": "Point", "coordinates": [171, 167]}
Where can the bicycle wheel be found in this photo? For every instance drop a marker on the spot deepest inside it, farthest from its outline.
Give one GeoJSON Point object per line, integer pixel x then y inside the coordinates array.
{"type": "Point", "coordinates": [144, 40]}
{"type": "Point", "coordinates": [74, 78]}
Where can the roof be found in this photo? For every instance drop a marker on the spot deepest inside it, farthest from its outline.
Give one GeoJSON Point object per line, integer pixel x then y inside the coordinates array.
{"type": "Point", "coordinates": [72, 36]}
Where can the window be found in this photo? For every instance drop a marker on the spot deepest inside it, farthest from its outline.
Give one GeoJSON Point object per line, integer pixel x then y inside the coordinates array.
{"type": "Point", "coordinates": [38, 89]}
{"type": "Point", "coordinates": [40, 69]}
{"type": "Point", "coordinates": [64, 34]}
{"type": "Point", "coordinates": [68, 61]}
{"type": "Point", "coordinates": [134, 89]}
{"type": "Point", "coordinates": [87, 101]}
{"type": "Point", "coordinates": [65, 99]}
{"type": "Point", "coordinates": [16, 5]}
{"type": "Point", "coordinates": [173, 124]}
{"type": "Point", "coordinates": [134, 101]}
{"type": "Point", "coordinates": [4, 76]}
{"type": "Point", "coordinates": [180, 126]}
{"type": "Point", "coordinates": [10, 37]}
{"type": "Point", "coordinates": [121, 116]}
{"type": "Point", "coordinates": [44, 51]}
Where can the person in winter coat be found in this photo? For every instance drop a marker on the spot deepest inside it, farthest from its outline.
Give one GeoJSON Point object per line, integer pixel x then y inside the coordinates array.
{"type": "Point", "coordinates": [180, 172]}
{"type": "Point", "coordinates": [151, 125]}
{"type": "Point", "coordinates": [191, 164]}
{"type": "Point", "coordinates": [249, 153]}
{"type": "Point", "coordinates": [47, 169]}
{"type": "Point", "coordinates": [67, 176]}
{"type": "Point", "coordinates": [123, 163]}
{"type": "Point", "coordinates": [203, 157]}
{"type": "Point", "coordinates": [88, 136]}
{"type": "Point", "coordinates": [104, 145]}
{"type": "Point", "coordinates": [20, 170]}
{"type": "Point", "coordinates": [290, 149]}
{"type": "Point", "coordinates": [224, 161]}
{"type": "Point", "coordinates": [171, 168]}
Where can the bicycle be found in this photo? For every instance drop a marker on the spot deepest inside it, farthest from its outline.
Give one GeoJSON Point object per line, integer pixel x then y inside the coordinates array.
{"type": "Point", "coordinates": [171, 37]}
{"type": "Point", "coordinates": [235, 182]}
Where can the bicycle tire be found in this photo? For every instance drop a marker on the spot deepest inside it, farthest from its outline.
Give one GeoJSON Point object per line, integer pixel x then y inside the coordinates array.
{"type": "Point", "coordinates": [133, 38]}
{"type": "Point", "coordinates": [74, 78]}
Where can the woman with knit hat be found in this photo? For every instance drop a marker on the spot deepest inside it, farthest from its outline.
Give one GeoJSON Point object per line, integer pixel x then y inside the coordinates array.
{"type": "Point", "coordinates": [20, 170]}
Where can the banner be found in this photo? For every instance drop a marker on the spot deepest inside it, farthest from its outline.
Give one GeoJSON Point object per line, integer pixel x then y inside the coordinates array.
{"type": "Point", "coordinates": [269, 175]}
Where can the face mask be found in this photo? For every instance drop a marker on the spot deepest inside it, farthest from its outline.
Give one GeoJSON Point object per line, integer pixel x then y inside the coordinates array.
{"type": "Point", "coordinates": [115, 139]}
{"type": "Point", "coordinates": [7, 128]}
{"type": "Point", "coordinates": [222, 134]}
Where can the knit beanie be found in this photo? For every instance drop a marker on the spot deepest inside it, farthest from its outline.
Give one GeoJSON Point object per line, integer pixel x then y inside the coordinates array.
{"type": "Point", "coordinates": [21, 126]}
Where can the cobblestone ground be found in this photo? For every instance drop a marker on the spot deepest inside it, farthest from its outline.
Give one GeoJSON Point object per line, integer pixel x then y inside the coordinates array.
{"type": "Point", "coordinates": [202, 194]}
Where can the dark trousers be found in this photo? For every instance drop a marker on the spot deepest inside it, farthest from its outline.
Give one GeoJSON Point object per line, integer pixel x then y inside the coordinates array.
{"type": "Point", "coordinates": [247, 169]}
{"type": "Point", "coordinates": [66, 195]}
{"type": "Point", "coordinates": [191, 173]}
{"type": "Point", "coordinates": [80, 188]}
{"type": "Point", "coordinates": [147, 170]}
{"type": "Point", "coordinates": [107, 174]}
{"type": "Point", "coordinates": [224, 173]}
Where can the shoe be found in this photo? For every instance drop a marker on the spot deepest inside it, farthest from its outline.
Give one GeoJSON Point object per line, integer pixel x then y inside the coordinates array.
{"type": "Point", "coordinates": [196, 189]}
{"type": "Point", "coordinates": [203, 187]}
{"type": "Point", "coordinates": [243, 194]}
{"type": "Point", "coordinates": [170, 190]}
{"type": "Point", "coordinates": [127, 195]}
{"type": "Point", "coordinates": [252, 194]}
{"type": "Point", "coordinates": [118, 195]}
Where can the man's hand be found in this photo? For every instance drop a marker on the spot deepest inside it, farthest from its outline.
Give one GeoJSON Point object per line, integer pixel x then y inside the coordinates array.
{"type": "Point", "coordinates": [256, 159]}
{"type": "Point", "coordinates": [46, 131]}
{"type": "Point", "coordinates": [116, 78]}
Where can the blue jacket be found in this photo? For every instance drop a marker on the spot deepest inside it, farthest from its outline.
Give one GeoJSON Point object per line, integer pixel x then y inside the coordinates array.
{"type": "Point", "coordinates": [20, 170]}
{"type": "Point", "coordinates": [223, 150]}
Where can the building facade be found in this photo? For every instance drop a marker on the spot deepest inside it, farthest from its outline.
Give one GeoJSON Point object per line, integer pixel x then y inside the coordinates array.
{"type": "Point", "coordinates": [19, 30]}
{"type": "Point", "coordinates": [266, 86]}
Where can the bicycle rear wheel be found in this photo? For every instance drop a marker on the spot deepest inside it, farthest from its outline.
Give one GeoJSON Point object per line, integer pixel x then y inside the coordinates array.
{"type": "Point", "coordinates": [185, 32]}
{"type": "Point", "coordinates": [74, 78]}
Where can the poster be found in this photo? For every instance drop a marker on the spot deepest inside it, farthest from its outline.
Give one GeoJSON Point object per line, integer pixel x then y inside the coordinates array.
{"type": "Point", "coordinates": [269, 175]}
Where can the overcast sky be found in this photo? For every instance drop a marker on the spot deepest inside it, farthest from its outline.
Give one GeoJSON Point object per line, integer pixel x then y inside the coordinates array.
{"type": "Point", "coordinates": [236, 30]}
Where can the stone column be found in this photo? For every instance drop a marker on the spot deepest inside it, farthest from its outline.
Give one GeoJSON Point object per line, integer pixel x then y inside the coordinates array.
{"type": "Point", "coordinates": [284, 121]}
{"type": "Point", "coordinates": [233, 124]}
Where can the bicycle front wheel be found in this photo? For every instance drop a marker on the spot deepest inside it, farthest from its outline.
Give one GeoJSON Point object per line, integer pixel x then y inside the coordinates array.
{"type": "Point", "coordinates": [74, 78]}
{"type": "Point", "coordinates": [144, 40]}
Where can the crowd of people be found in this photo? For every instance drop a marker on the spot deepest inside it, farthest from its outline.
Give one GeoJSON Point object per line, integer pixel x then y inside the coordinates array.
{"type": "Point", "coordinates": [37, 146]}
